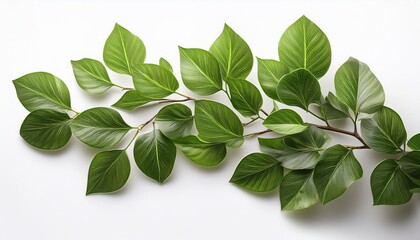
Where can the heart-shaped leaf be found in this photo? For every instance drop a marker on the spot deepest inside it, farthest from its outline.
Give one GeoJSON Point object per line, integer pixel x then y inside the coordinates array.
{"type": "Point", "coordinates": [258, 172]}
{"type": "Point", "coordinates": [175, 120]}
{"type": "Point", "coordinates": [304, 45]}
{"type": "Point", "coordinates": [245, 97]}
{"type": "Point", "coordinates": [91, 76]}
{"type": "Point", "coordinates": [414, 142]}
{"type": "Point", "coordinates": [131, 100]}
{"type": "Point", "coordinates": [285, 121]}
{"type": "Point", "coordinates": [269, 74]}
{"type": "Point", "coordinates": [298, 191]}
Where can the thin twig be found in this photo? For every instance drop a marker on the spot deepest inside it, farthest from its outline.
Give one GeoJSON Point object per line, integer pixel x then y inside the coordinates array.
{"type": "Point", "coordinates": [338, 130]}
{"type": "Point", "coordinates": [263, 111]}
{"type": "Point", "coordinates": [247, 123]}
{"type": "Point", "coordinates": [257, 133]}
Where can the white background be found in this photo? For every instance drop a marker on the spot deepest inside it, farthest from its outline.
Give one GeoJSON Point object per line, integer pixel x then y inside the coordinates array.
{"type": "Point", "coordinates": [42, 193]}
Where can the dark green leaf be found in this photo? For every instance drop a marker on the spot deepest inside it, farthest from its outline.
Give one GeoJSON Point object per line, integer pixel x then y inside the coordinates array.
{"type": "Point", "coordinates": [336, 170]}
{"type": "Point", "coordinates": [299, 88]}
{"type": "Point", "coordinates": [123, 50]}
{"type": "Point", "coordinates": [233, 53]}
{"type": "Point", "coordinates": [200, 71]}
{"type": "Point", "coordinates": [269, 74]}
{"type": "Point", "coordinates": [410, 165]}
{"type": "Point", "coordinates": [304, 45]}
{"type": "Point", "coordinates": [131, 100]}
{"type": "Point", "coordinates": [245, 97]}
{"type": "Point", "coordinates": [155, 155]}
{"type": "Point", "coordinates": [384, 132]}
{"type": "Point", "coordinates": [41, 90]}
{"type": "Point", "coordinates": [175, 120]}
{"type": "Point", "coordinates": [108, 172]}
{"type": "Point", "coordinates": [285, 121]}
{"type": "Point", "coordinates": [298, 191]}
{"type": "Point", "coordinates": [99, 127]}
{"type": "Point", "coordinates": [258, 172]}
{"type": "Point", "coordinates": [414, 142]}
{"type": "Point", "coordinates": [91, 75]}
{"type": "Point", "coordinates": [390, 186]}
{"type": "Point", "coordinates": [46, 129]}
{"type": "Point", "coordinates": [200, 152]}
{"type": "Point", "coordinates": [166, 65]}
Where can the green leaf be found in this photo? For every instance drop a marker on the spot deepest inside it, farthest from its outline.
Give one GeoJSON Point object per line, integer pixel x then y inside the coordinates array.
{"type": "Point", "coordinates": [41, 90]}
{"type": "Point", "coordinates": [123, 50]}
{"type": "Point", "coordinates": [384, 132]}
{"type": "Point", "coordinates": [233, 53]}
{"type": "Point", "coordinates": [200, 71]}
{"type": "Point", "coordinates": [154, 82]}
{"type": "Point", "coordinates": [131, 100]}
{"type": "Point", "coordinates": [299, 88]}
{"type": "Point", "coordinates": [415, 190]}
{"type": "Point", "coordinates": [299, 151]}
{"type": "Point", "coordinates": [245, 97]}
{"type": "Point", "coordinates": [46, 129]}
{"type": "Point", "coordinates": [108, 172]}
{"type": "Point", "coordinates": [330, 113]}
{"type": "Point", "coordinates": [269, 74]}
{"type": "Point", "coordinates": [410, 165]}
{"type": "Point", "coordinates": [358, 88]}
{"type": "Point", "coordinates": [298, 191]}
{"type": "Point", "coordinates": [337, 104]}
{"type": "Point", "coordinates": [390, 186]}
{"type": "Point", "coordinates": [258, 172]}
{"type": "Point", "coordinates": [166, 65]}
{"type": "Point", "coordinates": [285, 121]}
{"type": "Point", "coordinates": [155, 155]}
{"type": "Point", "coordinates": [304, 45]}
{"type": "Point", "coordinates": [414, 142]}
{"type": "Point", "coordinates": [175, 120]}
{"type": "Point", "coordinates": [91, 76]}
{"type": "Point", "coordinates": [200, 152]}
{"type": "Point", "coordinates": [216, 123]}
{"type": "Point", "coordinates": [336, 170]}
{"type": "Point", "coordinates": [99, 127]}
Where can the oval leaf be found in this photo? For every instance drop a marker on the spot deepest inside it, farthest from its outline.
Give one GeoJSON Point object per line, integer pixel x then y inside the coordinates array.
{"type": "Point", "coordinates": [410, 165]}
{"type": "Point", "coordinates": [285, 121]}
{"type": "Point", "coordinates": [131, 100]}
{"type": "Point", "coordinates": [390, 186]}
{"type": "Point", "coordinates": [175, 120]}
{"type": "Point", "coordinates": [233, 53]}
{"type": "Point", "coordinates": [414, 142]}
{"type": "Point", "coordinates": [298, 191]}
{"type": "Point", "coordinates": [155, 155]}
{"type": "Point", "coordinates": [91, 75]}
{"type": "Point", "coordinates": [41, 90]}
{"type": "Point", "coordinates": [245, 97]}
{"type": "Point", "coordinates": [216, 123]}
{"type": "Point", "coordinates": [200, 152]}
{"type": "Point", "coordinates": [358, 88]}
{"type": "Point", "coordinates": [108, 172]}
{"type": "Point", "coordinates": [258, 172]}
{"type": "Point", "coordinates": [200, 71]}
{"type": "Point", "coordinates": [99, 127]}
{"type": "Point", "coordinates": [336, 170]}
{"type": "Point", "coordinates": [123, 50]}
{"type": "Point", "coordinates": [166, 65]}
{"type": "Point", "coordinates": [384, 132]}
{"type": "Point", "coordinates": [269, 74]}
{"type": "Point", "coordinates": [46, 129]}
{"type": "Point", "coordinates": [154, 82]}
{"type": "Point", "coordinates": [299, 88]}
{"type": "Point", "coordinates": [304, 45]}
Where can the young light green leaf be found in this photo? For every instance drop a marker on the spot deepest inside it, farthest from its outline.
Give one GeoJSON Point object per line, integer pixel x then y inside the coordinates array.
{"type": "Point", "coordinates": [304, 45]}
{"type": "Point", "coordinates": [131, 100]}
{"type": "Point", "coordinates": [41, 90]}
{"type": "Point", "coordinates": [299, 88]}
{"type": "Point", "coordinates": [384, 132]}
{"type": "Point", "coordinates": [91, 76]}
{"type": "Point", "coordinates": [200, 152]}
{"type": "Point", "coordinates": [233, 53]}
{"type": "Point", "coordinates": [298, 191]}
{"type": "Point", "coordinates": [390, 186]}
{"type": "Point", "coordinates": [269, 74]}
{"type": "Point", "coordinates": [155, 155]}
{"type": "Point", "coordinates": [216, 123]}
{"type": "Point", "coordinates": [123, 50]}
{"type": "Point", "coordinates": [258, 172]}
{"type": "Point", "coordinates": [245, 97]}
{"type": "Point", "coordinates": [336, 170]}
{"type": "Point", "coordinates": [410, 165]}
{"type": "Point", "coordinates": [358, 88]}
{"type": "Point", "coordinates": [175, 120]}
{"type": "Point", "coordinates": [46, 129]}
{"type": "Point", "coordinates": [200, 71]}
{"type": "Point", "coordinates": [99, 127]}
{"type": "Point", "coordinates": [154, 82]}
{"type": "Point", "coordinates": [166, 65]}
{"type": "Point", "coordinates": [414, 142]}
{"type": "Point", "coordinates": [285, 121]}
{"type": "Point", "coordinates": [108, 172]}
